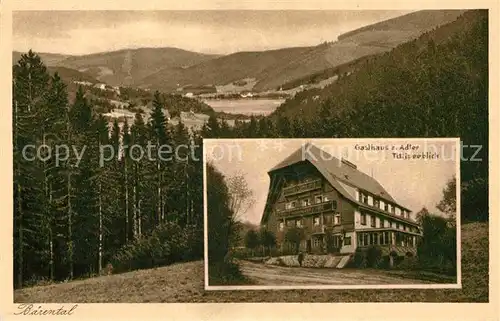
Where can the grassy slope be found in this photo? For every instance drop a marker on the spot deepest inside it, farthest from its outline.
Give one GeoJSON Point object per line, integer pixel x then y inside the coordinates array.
{"type": "Point", "coordinates": [69, 75]}
{"type": "Point", "coordinates": [183, 282]}
{"type": "Point", "coordinates": [273, 68]}
{"type": "Point", "coordinates": [226, 69]}
{"type": "Point", "coordinates": [128, 67]}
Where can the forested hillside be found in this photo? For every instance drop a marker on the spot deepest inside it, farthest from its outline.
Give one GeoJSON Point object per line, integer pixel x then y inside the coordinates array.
{"type": "Point", "coordinates": [74, 212]}
{"type": "Point", "coordinates": [435, 86]}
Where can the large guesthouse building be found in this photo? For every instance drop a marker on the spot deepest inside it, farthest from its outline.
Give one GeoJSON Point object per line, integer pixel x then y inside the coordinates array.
{"type": "Point", "coordinates": [330, 199]}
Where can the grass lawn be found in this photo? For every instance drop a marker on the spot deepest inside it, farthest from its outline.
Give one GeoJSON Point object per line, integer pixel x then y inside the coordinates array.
{"type": "Point", "coordinates": [184, 282]}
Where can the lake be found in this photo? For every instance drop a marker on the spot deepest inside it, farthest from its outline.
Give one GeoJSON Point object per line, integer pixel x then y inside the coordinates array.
{"type": "Point", "coordinates": [244, 106]}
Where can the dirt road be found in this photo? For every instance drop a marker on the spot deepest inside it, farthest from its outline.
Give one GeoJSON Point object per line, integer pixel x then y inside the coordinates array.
{"type": "Point", "coordinates": [263, 274]}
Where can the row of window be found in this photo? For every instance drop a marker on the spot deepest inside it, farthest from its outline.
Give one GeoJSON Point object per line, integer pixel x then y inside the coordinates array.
{"type": "Point", "coordinates": [318, 199]}
{"type": "Point", "coordinates": [316, 220]}
{"type": "Point", "coordinates": [385, 238]}
{"type": "Point", "coordinates": [380, 204]}
{"type": "Point", "coordinates": [386, 223]}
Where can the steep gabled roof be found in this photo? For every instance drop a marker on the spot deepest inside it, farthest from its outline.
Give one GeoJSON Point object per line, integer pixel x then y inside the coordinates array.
{"type": "Point", "coordinates": [340, 171]}
{"type": "Point", "coordinates": [335, 172]}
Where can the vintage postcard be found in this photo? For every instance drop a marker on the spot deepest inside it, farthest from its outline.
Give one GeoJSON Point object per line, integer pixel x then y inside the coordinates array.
{"type": "Point", "coordinates": [332, 213]}
{"type": "Point", "coordinates": [240, 152]}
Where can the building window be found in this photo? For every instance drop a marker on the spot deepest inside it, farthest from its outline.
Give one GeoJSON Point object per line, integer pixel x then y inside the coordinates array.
{"type": "Point", "coordinates": [376, 203]}
{"type": "Point", "coordinates": [305, 202]}
{"type": "Point", "coordinates": [364, 198]}
{"type": "Point", "coordinates": [390, 224]}
{"type": "Point", "coordinates": [373, 221]}
{"type": "Point", "coordinates": [291, 205]}
{"type": "Point", "coordinates": [316, 242]}
{"type": "Point", "coordinates": [298, 223]}
{"type": "Point", "coordinates": [282, 226]}
{"type": "Point", "coordinates": [363, 219]}
{"type": "Point", "coordinates": [382, 222]}
{"type": "Point", "coordinates": [337, 219]}
{"type": "Point", "coordinates": [325, 198]}
{"type": "Point", "coordinates": [393, 209]}
{"type": "Point", "coordinates": [318, 199]}
{"type": "Point", "coordinates": [386, 207]}
{"type": "Point", "coordinates": [404, 227]}
{"type": "Point", "coordinates": [347, 240]}
{"type": "Point", "coordinates": [397, 226]}
{"type": "Point", "coordinates": [316, 221]}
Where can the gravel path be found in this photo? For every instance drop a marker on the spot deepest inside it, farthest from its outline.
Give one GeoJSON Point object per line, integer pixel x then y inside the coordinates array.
{"type": "Point", "coordinates": [263, 274]}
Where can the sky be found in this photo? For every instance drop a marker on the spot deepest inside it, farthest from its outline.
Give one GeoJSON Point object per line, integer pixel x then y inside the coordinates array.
{"type": "Point", "coordinates": [412, 183]}
{"type": "Point", "coordinates": [216, 32]}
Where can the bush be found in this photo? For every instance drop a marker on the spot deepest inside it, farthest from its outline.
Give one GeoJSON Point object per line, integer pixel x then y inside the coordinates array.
{"type": "Point", "coordinates": [169, 243]}
{"type": "Point", "coordinates": [227, 272]}
{"type": "Point", "coordinates": [374, 256]}
{"type": "Point", "coordinates": [360, 258]}
{"type": "Point", "coordinates": [409, 263]}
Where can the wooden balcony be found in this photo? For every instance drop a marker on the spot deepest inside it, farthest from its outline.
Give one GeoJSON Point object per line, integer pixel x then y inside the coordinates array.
{"type": "Point", "coordinates": [308, 210]}
{"type": "Point", "coordinates": [303, 187]}
{"type": "Point", "coordinates": [318, 229]}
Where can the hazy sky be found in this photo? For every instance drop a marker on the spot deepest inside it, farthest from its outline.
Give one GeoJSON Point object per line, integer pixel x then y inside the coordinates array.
{"type": "Point", "coordinates": [83, 32]}
{"type": "Point", "coordinates": [412, 183]}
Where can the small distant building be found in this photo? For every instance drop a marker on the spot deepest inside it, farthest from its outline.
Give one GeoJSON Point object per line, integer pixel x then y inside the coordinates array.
{"type": "Point", "coordinates": [100, 86]}
{"type": "Point", "coordinates": [189, 95]}
{"type": "Point", "coordinates": [247, 95]}
{"type": "Point", "coordinates": [83, 83]}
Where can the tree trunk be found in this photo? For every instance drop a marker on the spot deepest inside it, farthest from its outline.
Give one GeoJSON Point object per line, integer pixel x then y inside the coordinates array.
{"type": "Point", "coordinates": [70, 227]}
{"type": "Point", "coordinates": [127, 227]}
{"type": "Point", "coordinates": [135, 200]}
{"type": "Point", "coordinates": [21, 239]}
{"type": "Point", "coordinates": [99, 267]}
{"type": "Point", "coordinates": [159, 200]}
{"type": "Point", "coordinates": [139, 220]}
{"type": "Point", "coordinates": [51, 238]}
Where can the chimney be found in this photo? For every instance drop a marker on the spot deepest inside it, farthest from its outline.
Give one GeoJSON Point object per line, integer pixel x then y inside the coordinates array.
{"type": "Point", "coordinates": [348, 163]}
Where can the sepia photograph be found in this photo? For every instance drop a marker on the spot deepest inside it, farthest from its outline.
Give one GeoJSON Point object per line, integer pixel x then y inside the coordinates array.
{"type": "Point", "coordinates": [278, 156]}
{"type": "Point", "coordinates": [329, 213]}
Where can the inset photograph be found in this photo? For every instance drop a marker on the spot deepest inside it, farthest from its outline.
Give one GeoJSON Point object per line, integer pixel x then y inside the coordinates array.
{"type": "Point", "coordinates": [331, 213]}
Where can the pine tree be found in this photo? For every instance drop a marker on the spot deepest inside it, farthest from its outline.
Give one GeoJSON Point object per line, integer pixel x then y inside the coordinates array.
{"type": "Point", "coordinates": [30, 81]}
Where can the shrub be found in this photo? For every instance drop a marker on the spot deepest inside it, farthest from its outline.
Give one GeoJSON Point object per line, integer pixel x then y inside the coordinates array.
{"type": "Point", "coordinates": [360, 258]}
{"type": "Point", "coordinates": [227, 272]}
{"type": "Point", "coordinates": [169, 243]}
{"type": "Point", "coordinates": [374, 256]}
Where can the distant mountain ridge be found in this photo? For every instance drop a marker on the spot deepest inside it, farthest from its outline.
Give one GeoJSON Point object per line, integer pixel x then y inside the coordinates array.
{"type": "Point", "coordinates": [169, 69]}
